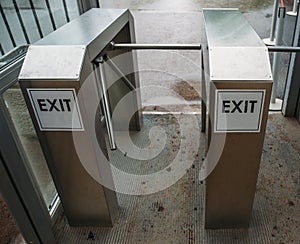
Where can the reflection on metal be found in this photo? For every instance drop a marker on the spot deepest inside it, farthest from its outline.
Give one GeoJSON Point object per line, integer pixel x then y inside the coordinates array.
{"type": "Point", "coordinates": [102, 89]}
{"type": "Point", "coordinates": [284, 49]}
{"type": "Point", "coordinates": [276, 58]}
{"type": "Point", "coordinates": [291, 100]}
{"type": "Point", "coordinates": [203, 95]}
{"type": "Point", "coordinates": [54, 205]}
{"type": "Point", "coordinates": [239, 69]}
{"type": "Point", "coordinates": [271, 41]}
{"type": "Point", "coordinates": [17, 185]}
{"type": "Point", "coordinates": [12, 56]}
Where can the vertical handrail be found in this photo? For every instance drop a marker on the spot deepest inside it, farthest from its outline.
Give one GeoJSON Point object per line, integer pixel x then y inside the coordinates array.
{"type": "Point", "coordinates": [102, 90]}
{"type": "Point", "coordinates": [274, 20]}
{"type": "Point", "coordinates": [203, 94]}
{"type": "Point", "coordinates": [50, 14]}
{"type": "Point", "coordinates": [295, 6]}
{"type": "Point", "coordinates": [21, 21]}
{"type": "Point", "coordinates": [7, 26]}
{"type": "Point", "coordinates": [36, 19]}
{"type": "Point", "coordinates": [278, 42]}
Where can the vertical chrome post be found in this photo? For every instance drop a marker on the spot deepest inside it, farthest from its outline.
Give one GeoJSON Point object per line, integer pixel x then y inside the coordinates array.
{"type": "Point", "coordinates": [295, 9]}
{"type": "Point", "coordinates": [278, 42]}
{"type": "Point", "coordinates": [270, 41]}
{"type": "Point", "coordinates": [203, 96]}
{"type": "Point", "coordinates": [102, 89]}
{"type": "Point", "coordinates": [274, 20]}
{"type": "Point", "coordinates": [295, 6]}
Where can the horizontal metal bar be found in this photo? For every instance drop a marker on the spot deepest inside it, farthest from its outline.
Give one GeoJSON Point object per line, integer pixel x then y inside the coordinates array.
{"type": "Point", "coordinates": [188, 47]}
{"type": "Point", "coordinates": [156, 46]}
{"type": "Point", "coordinates": [284, 49]}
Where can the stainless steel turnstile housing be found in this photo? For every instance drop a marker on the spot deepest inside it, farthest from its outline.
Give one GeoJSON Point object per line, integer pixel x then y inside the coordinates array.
{"type": "Point", "coordinates": [239, 86]}
{"type": "Point", "coordinates": [53, 74]}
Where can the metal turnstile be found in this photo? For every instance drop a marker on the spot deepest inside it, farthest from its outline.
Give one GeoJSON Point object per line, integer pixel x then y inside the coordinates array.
{"type": "Point", "coordinates": [240, 82]}
{"type": "Point", "coordinates": [59, 78]}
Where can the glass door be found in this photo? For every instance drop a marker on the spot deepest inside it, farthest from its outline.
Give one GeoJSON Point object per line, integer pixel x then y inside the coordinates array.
{"type": "Point", "coordinates": [19, 117]}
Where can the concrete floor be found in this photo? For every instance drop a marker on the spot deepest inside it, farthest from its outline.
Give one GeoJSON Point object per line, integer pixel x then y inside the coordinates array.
{"type": "Point", "coordinates": [176, 214]}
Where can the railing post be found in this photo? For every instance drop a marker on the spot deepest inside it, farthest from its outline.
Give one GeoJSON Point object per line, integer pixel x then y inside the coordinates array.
{"type": "Point", "coordinates": [276, 57]}
{"type": "Point", "coordinates": [295, 9]}
{"type": "Point", "coordinates": [271, 40]}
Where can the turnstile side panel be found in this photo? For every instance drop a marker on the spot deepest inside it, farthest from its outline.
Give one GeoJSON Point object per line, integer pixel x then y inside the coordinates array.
{"type": "Point", "coordinates": [231, 186]}
{"type": "Point", "coordinates": [83, 198]}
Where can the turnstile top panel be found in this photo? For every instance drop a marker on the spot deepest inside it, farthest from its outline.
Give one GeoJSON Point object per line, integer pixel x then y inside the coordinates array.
{"type": "Point", "coordinates": [229, 28]}
{"type": "Point", "coordinates": [239, 63]}
{"type": "Point", "coordinates": [86, 28]}
{"type": "Point", "coordinates": [236, 52]}
{"type": "Point", "coordinates": [94, 29]}
{"type": "Point", "coordinates": [61, 54]}
{"type": "Point", "coordinates": [53, 63]}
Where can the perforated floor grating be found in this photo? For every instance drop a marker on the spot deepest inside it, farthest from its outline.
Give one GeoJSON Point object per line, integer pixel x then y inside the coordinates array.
{"type": "Point", "coordinates": [176, 214]}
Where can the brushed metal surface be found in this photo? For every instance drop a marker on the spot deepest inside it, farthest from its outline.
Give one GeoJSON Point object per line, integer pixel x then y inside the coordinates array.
{"type": "Point", "coordinates": [53, 62]}
{"type": "Point", "coordinates": [228, 27]}
{"type": "Point", "coordinates": [84, 199]}
{"type": "Point", "coordinates": [236, 52]}
{"type": "Point", "coordinates": [239, 63]}
{"type": "Point", "coordinates": [237, 59]}
{"type": "Point", "coordinates": [94, 29]}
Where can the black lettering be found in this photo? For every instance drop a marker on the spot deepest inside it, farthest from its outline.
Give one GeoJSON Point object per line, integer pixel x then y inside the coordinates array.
{"type": "Point", "coordinates": [52, 105]}
{"type": "Point", "coordinates": [237, 106]}
{"type": "Point", "coordinates": [68, 101]}
{"type": "Point", "coordinates": [42, 104]}
{"type": "Point", "coordinates": [226, 104]}
{"type": "Point", "coordinates": [61, 105]}
{"type": "Point", "coordinates": [246, 107]}
{"type": "Point", "coordinates": [252, 102]}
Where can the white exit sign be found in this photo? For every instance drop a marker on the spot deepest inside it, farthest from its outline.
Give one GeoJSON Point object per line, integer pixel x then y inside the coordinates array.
{"type": "Point", "coordinates": [238, 110]}
{"type": "Point", "coordinates": [56, 109]}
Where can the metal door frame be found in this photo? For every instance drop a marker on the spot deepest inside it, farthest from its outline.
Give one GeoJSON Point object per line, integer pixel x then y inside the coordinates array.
{"type": "Point", "coordinates": [17, 184]}
{"type": "Point", "coordinates": [291, 101]}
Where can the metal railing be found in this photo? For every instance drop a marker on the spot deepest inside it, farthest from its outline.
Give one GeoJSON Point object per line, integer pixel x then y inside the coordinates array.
{"type": "Point", "coordinates": [27, 21]}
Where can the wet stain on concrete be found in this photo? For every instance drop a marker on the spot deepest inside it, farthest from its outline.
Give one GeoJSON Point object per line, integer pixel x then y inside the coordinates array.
{"type": "Point", "coordinates": [185, 90]}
